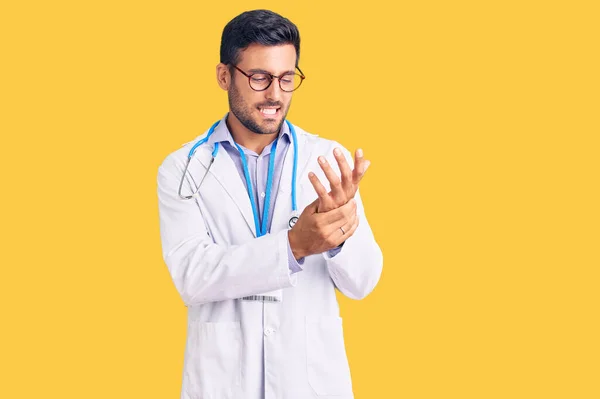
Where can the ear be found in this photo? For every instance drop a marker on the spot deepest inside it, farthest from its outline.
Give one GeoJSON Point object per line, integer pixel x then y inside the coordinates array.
{"type": "Point", "coordinates": [223, 76]}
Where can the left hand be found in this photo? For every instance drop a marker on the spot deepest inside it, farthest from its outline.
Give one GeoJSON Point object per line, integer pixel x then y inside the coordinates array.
{"type": "Point", "coordinates": [342, 190]}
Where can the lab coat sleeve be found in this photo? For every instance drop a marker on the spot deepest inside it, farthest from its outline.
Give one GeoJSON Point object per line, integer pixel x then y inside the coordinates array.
{"type": "Point", "coordinates": [295, 265]}
{"type": "Point", "coordinates": [333, 252]}
{"type": "Point", "coordinates": [203, 271]}
{"type": "Point", "coordinates": [357, 267]}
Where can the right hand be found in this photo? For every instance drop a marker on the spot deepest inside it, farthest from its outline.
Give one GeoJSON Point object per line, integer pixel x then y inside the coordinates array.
{"type": "Point", "coordinates": [315, 233]}
{"type": "Point", "coordinates": [344, 188]}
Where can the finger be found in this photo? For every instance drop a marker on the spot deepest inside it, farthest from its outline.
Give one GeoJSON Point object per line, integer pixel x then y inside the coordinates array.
{"type": "Point", "coordinates": [345, 224]}
{"type": "Point", "coordinates": [350, 211]}
{"type": "Point", "coordinates": [337, 214]}
{"type": "Point", "coordinates": [366, 166]}
{"type": "Point", "coordinates": [357, 176]}
{"type": "Point", "coordinates": [311, 208]}
{"type": "Point", "coordinates": [349, 226]}
{"type": "Point", "coordinates": [344, 214]}
{"type": "Point", "coordinates": [342, 233]}
{"type": "Point", "coordinates": [324, 196]}
{"type": "Point", "coordinates": [350, 233]}
{"type": "Point", "coordinates": [345, 170]}
{"type": "Point", "coordinates": [358, 166]}
{"type": "Point", "coordinates": [316, 183]}
{"type": "Point", "coordinates": [334, 181]}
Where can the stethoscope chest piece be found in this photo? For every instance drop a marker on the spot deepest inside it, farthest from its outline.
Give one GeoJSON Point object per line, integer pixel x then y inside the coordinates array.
{"type": "Point", "coordinates": [260, 230]}
{"type": "Point", "coordinates": [293, 219]}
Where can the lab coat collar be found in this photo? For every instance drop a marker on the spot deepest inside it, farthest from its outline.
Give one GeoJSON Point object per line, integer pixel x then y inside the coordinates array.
{"type": "Point", "coordinates": [222, 133]}
{"type": "Point", "coordinates": [224, 171]}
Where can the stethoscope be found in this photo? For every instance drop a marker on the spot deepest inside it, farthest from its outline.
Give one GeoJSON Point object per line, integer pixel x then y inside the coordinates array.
{"type": "Point", "coordinates": [261, 230]}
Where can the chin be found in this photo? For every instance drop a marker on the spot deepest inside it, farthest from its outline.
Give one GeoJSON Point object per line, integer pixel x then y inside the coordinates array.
{"type": "Point", "coordinates": [271, 128]}
{"type": "Point", "coordinates": [270, 125]}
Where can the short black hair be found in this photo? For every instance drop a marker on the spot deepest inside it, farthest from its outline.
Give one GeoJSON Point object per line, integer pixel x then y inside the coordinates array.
{"type": "Point", "coordinates": [257, 26]}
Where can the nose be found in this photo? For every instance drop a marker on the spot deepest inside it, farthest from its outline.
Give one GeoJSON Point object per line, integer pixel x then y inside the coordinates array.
{"type": "Point", "coordinates": [274, 92]}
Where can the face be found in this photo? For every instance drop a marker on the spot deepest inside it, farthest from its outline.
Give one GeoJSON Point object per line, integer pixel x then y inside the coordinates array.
{"type": "Point", "coordinates": [261, 112]}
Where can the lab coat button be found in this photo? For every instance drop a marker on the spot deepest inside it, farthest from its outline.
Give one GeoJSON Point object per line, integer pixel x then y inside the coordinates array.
{"type": "Point", "coordinates": [262, 195]}
{"type": "Point", "coordinates": [269, 331]}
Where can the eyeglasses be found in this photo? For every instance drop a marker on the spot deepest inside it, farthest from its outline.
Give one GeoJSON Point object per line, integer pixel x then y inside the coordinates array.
{"type": "Point", "coordinates": [260, 81]}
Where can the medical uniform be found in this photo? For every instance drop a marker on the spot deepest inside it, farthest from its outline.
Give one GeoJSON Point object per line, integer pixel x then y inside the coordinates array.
{"type": "Point", "coordinates": [255, 349]}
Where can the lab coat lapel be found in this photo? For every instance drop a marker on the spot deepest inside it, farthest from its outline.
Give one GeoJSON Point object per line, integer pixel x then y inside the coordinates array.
{"type": "Point", "coordinates": [225, 172]}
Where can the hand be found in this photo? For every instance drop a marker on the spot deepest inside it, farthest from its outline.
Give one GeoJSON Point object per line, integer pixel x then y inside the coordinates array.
{"type": "Point", "coordinates": [342, 189]}
{"type": "Point", "coordinates": [315, 233]}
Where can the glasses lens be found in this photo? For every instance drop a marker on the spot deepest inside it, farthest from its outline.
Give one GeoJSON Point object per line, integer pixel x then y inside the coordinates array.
{"type": "Point", "coordinates": [290, 82]}
{"type": "Point", "coordinates": [260, 81]}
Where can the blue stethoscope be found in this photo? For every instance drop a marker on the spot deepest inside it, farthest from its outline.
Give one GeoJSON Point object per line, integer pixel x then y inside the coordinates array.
{"type": "Point", "coordinates": [261, 230]}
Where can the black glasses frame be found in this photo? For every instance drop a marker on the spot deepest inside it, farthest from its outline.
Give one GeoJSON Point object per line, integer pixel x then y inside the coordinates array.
{"type": "Point", "coordinates": [271, 76]}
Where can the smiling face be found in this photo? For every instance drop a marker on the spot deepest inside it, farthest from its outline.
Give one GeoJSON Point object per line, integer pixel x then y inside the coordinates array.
{"type": "Point", "coordinates": [261, 112]}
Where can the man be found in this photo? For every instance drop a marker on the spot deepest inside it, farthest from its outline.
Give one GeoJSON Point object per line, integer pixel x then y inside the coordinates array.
{"type": "Point", "coordinates": [263, 318]}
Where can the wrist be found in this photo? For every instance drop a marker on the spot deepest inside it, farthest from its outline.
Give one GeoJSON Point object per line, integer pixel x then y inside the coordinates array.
{"type": "Point", "coordinates": [294, 246]}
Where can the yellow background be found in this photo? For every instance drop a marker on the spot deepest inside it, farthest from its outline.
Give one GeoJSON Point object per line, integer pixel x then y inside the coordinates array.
{"type": "Point", "coordinates": [481, 120]}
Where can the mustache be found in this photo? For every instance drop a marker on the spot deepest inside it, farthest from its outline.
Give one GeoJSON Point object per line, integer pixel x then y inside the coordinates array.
{"type": "Point", "coordinates": [280, 105]}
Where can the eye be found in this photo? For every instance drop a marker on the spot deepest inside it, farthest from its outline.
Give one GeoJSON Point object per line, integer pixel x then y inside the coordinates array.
{"type": "Point", "coordinates": [259, 78]}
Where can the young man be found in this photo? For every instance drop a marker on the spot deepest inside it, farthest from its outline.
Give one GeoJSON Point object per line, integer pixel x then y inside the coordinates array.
{"type": "Point", "coordinates": [254, 243]}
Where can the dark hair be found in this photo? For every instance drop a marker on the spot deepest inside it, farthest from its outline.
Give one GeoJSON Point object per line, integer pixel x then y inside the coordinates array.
{"type": "Point", "coordinates": [258, 26]}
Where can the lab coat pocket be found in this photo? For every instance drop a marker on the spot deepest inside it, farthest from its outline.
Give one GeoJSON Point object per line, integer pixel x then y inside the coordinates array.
{"type": "Point", "coordinates": [217, 359]}
{"type": "Point", "coordinates": [326, 360]}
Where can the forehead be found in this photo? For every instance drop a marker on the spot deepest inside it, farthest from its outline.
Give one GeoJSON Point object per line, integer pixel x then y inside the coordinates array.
{"type": "Point", "coordinates": [276, 59]}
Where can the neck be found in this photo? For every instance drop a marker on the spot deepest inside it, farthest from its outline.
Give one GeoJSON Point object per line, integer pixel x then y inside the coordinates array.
{"type": "Point", "coordinates": [247, 138]}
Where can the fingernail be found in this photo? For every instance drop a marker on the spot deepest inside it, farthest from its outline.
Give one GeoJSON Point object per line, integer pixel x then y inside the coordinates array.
{"type": "Point", "coordinates": [367, 164]}
{"type": "Point", "coordinates": [337, 151]}
{"type": "Point", "coordinates": [359, 153]}
{"type": "Point", "coordinates": [321, 160]}
{"type": "Point", "coordinates": [311, 174]}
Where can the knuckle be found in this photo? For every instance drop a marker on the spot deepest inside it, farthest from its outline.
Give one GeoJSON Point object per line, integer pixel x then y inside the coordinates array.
{"type": "Point", "coordinates": [319, 225]}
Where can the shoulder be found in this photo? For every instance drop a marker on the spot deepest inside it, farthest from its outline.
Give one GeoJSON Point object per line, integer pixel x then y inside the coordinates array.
{"type": "Point", "coordinates": [315, 140]}
{"type": "Point", "coordinates": [322, 145]}
{"type": "Point", "coordinates": [175, 161]}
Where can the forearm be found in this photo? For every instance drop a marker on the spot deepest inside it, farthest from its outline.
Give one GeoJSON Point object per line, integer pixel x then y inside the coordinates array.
{"type": "Point", "coordinates": [356, 268]}
{"type": "Point", "coordinates": [206, 272]}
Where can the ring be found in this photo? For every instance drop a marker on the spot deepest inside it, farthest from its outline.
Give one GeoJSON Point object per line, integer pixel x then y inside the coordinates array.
{"type": "Point", "coordinates": [343, 232]}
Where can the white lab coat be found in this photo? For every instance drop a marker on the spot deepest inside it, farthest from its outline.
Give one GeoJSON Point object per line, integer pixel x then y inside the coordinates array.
{"type": "Point", "coordinates": [238, 349]}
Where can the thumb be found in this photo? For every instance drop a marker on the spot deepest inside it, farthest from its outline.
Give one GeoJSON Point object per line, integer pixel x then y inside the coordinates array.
{"type": "Point", "coordinates": [312, 207]}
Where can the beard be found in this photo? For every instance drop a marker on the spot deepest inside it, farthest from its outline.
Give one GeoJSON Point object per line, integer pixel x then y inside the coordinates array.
{"type": "Point", "coordinates": [243, 112]}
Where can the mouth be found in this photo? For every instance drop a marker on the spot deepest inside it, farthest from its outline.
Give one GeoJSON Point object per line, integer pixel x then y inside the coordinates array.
{"type": "Point", "coordinates": [270, 112]}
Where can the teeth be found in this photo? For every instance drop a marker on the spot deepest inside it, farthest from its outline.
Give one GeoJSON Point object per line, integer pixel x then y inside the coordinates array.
{"type": "Point", "coordinates": [268, 111]}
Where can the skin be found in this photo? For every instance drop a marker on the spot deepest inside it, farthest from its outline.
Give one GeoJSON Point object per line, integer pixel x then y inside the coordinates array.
{"type": "Point", "coordinates": [245, 122]}
{"type": "Point", "coordinates": [319, 227]}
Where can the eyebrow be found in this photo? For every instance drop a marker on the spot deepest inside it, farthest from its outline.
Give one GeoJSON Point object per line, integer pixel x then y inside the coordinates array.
{"type": "Point", "coordinates": [258, 70]}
